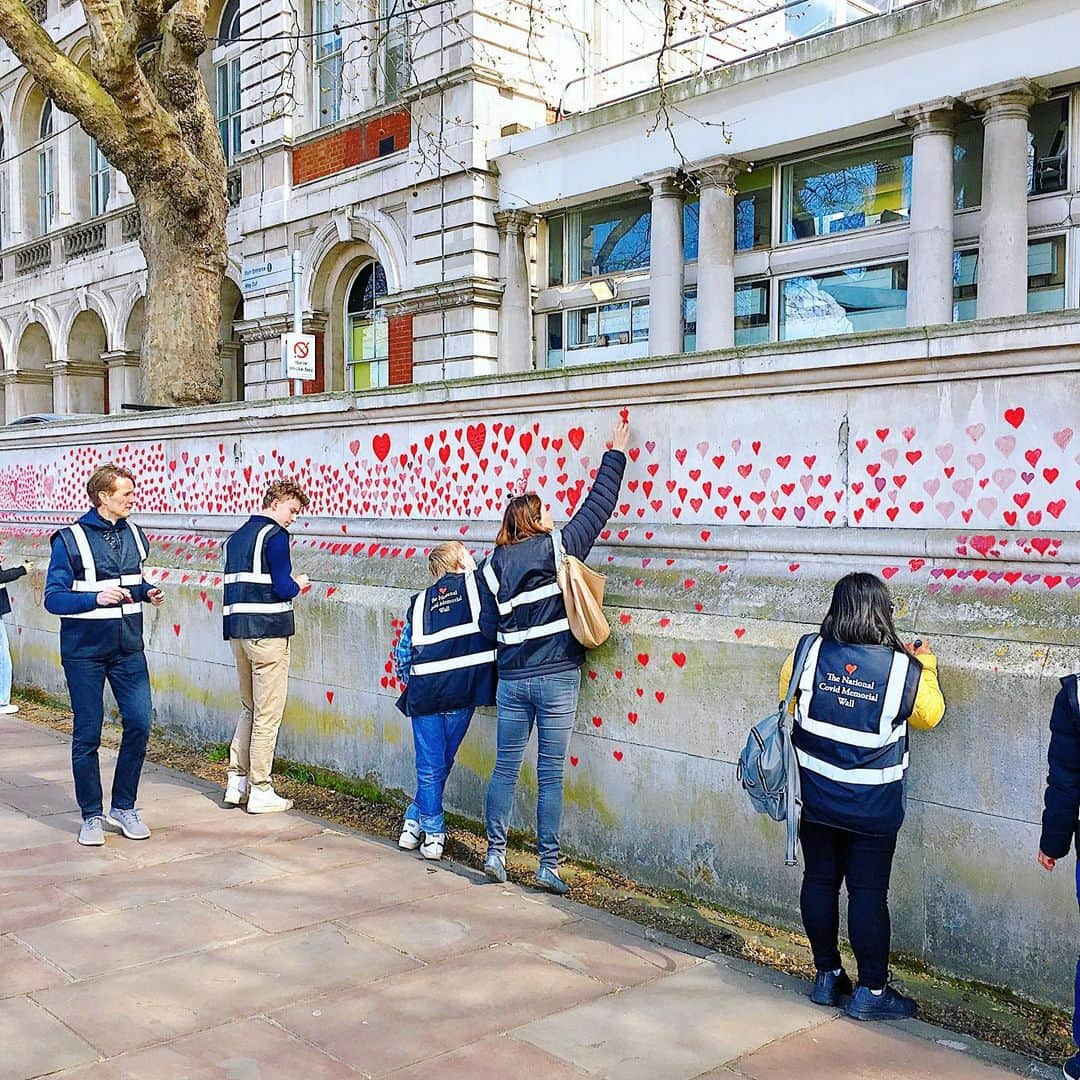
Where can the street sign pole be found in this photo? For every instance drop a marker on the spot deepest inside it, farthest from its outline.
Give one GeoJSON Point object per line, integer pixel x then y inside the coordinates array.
{"type": "Point", "coordinates": [298, 315]}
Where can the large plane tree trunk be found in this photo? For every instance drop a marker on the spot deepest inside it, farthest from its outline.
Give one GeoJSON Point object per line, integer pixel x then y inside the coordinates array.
{"type": "Point", "coordinates": [146, 105]}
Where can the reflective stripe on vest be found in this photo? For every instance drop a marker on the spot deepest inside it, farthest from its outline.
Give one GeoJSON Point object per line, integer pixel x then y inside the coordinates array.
{"type": "Point", "coordinates": [453, 663]}
{"type": "Point", "coordinates": [516, 637]}
{"type": "Point", "coordinates": [113, 611]}
{"type": "Point", "coordinates": [863, 777]}
{"type": "Point", "coordinates": [886, 732]}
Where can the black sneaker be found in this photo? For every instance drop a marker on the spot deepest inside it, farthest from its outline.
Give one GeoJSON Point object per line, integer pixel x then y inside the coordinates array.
{"type": "Point", "coordinates": [829, 988]}
{"type": "Point", "coordinates": [890, 1005]}
{"type": "Point", "coordinates": [1071, 1068]}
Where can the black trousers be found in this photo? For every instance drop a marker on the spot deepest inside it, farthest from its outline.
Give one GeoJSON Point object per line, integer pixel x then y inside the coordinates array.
{"type": "Point", "coordinates": [833, 857]}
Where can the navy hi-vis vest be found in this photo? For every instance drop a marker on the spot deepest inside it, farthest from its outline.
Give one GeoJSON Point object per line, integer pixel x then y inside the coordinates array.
{"type": "Point", "coordinates": [534, 634]}
{"type": "Point", "coordinates": [251, 608]}
{"type": "Point", "coordinates": [97, 565]}
{"type": "Point", "coordinates": [453, 664]}
{"type": "Point", "coordinates": [851, 736]}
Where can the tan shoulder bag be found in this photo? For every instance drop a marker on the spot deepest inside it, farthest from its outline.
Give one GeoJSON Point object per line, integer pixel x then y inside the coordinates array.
{"type": "Point", "coordinates": [583, 594]}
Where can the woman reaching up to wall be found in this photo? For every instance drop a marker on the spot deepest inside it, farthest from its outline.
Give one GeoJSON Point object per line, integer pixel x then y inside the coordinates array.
{"type": "Point", "coordinates": [538, 657]}
{"type": "Point", "coordinates": [859, 691]}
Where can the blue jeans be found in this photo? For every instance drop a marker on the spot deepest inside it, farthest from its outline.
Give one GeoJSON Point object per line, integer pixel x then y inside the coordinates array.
{"type": "Point", "coordinates": [549, 702]}
{"type": "Point", "coordinates": [436, 738]}
{"type": "Point", "coordinates": [130, 683]}
{"type": "Point", "coordinates": [5, 666]}
{"type": "Point", "coordinates": [1076, 989]}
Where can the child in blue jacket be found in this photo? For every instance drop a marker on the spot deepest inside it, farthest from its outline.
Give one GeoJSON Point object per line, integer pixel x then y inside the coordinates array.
{"type": "Point", "coordinates": [448, 668]}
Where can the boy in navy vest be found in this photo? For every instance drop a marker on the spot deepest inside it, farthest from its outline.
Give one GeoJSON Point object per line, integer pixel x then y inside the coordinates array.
{"type": "Point", "coordinates": [1061, 809]}
{"type": "Point", "coordinates": [448, 667]}
{"type": "Point", "coordinates": [95, 584]}
{"type": "Point", "coordinates": [258, 621]}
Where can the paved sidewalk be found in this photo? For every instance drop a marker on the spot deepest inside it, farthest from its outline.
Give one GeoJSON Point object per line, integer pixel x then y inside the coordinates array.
{"type": "Point", "coordinates": [243, 947]}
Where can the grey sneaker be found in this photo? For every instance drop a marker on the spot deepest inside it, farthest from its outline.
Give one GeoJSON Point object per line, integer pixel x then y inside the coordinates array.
{"type": "Point", "coordinates": [495, 867]}
{"type": "Point", "coordinates": [92, 833]}
{"type": "Point", "coordinates": [129, 823]}
{"type": "Point", "coordinates": [548, 878]}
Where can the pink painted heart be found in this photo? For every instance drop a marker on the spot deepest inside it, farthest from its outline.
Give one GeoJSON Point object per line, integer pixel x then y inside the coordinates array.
{"type": "Point", "coordinates": [945, 451]}
{"type": "Point", "coordinates": [975, 431]}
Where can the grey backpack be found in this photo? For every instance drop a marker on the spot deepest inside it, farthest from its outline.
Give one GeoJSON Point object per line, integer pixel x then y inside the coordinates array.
{"type": "Point", "coordinates": [768, 770]}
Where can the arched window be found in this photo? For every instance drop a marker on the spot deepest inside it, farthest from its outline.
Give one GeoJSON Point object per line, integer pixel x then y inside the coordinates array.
{"type": "Point", "coordinates": [46, 171]}
{"type": "Point", "coordinates": [227, 67]}
{"type": "Point", "coordinates": [367, 345]}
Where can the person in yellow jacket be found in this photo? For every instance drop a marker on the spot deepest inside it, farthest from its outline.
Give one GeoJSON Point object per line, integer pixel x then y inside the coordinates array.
{"type": "Point", "coordinates": [860, 691]}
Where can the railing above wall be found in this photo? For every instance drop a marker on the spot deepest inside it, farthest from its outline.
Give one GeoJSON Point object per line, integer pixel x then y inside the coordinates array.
{"type": "Point", "coordinates": [32, 257]}
{"type": "Point", "coordinates": [83, 239]}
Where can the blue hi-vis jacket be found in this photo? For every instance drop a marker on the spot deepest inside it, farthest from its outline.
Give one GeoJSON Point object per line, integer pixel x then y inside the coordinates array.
{"type": "Point", "coordinates": [452, 665]}
{"type": "Point", "coordinates": [82, 564]}
{"type": "Point", "coordinates": [259, 588]}
{"type": "Point", "coordinates": [851, 736]}
{"type": "Point", "coordinates": [1061, 804]}
{"type": "Point", "coordinates": [528, 617]}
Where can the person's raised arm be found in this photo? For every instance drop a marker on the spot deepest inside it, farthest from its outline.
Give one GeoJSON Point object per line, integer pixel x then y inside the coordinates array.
{"type": "Point", "coordinates": [580, 532]}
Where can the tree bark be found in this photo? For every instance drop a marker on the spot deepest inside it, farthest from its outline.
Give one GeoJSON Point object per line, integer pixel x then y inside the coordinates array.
{"type": "Point", "coordinates": [147, 107]}
{"type": "Point", "coordinates": [181, 362]}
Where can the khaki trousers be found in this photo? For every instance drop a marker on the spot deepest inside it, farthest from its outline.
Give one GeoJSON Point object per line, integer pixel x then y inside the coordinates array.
{"type": "Point", "coordinates": [263, 667]}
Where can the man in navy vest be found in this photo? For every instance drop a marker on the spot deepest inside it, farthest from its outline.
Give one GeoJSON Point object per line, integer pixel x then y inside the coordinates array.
{"type": "Point", "coordinates": [258, 621]}
{"type": "Point", "coordinates": [95, 584]}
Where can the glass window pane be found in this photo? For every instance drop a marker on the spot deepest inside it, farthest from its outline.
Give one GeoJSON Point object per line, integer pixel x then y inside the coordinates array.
{"type": "Point", "coordinates": [614, 324]}
{"type": "Point", "coordinates": [614, 237]}
{"type": "Point", "coordinates": [690, 220]}
{"type": "Point", "coordinates": [555, 250]}
{"type": "Point", "coordinates": [1048, 146]}
{"type": "Point", "coordinates": [555, 340]}
{"type": "Point", "coordinates": [843, 301]}
{"type": "Point", "coordinates": [1046, 274]}
{"type": "Point", "coordinates": [965, 284]}
{"type": "Point", "coordinates": [850, 190]}
{"type": "Point", "coordinates": [640, 321]}
{"type": "Point", "coordinates": [690, 320]}
{"type": "Point", "coordinates": [751, 312]}
{"type": "Point", "coordinates": [753, 209]}
{"type": "Point", "coordinates": [967, 164]}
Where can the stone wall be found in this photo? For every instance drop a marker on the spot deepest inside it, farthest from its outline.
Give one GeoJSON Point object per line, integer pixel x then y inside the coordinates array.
{"type": "Point", "coordinates": [948, 462]}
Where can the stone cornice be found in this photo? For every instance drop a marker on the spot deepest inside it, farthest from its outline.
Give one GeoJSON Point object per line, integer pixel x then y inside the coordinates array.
{"type": "Point", "coordinates": [273, 326]}
{"type": "Point", "coordinates": [429, 298]}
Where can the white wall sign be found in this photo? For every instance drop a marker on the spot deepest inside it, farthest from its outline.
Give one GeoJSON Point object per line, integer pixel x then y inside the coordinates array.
{"type": "Point", "coordinates": [298, 356]}
{"type": "Point", "coordinates": [264, 272]}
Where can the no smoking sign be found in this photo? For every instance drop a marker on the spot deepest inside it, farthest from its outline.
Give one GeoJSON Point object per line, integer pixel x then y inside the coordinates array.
{"type": "Point", "coordinates": [298, 356]}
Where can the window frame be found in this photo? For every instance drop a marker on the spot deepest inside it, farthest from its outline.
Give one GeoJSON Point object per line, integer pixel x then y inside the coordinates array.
{"type": "Point", "coordinates": [327, 61]}
{"type": "Point", "coordinates": [781, 166]}
{"type": "Point", "coordinates": [870, 264]}
{"type": "Point", "coordinates": [379, 366]}
{"type": "Point", "coordinates": [100, 180]}
{"type": "Point", "coordinates": [395, 34]}
{"type": "Point", "coordinates": [46, 170]}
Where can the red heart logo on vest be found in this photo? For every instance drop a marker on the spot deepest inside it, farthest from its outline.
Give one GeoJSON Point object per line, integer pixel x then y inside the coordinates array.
{"type": "Point", "coordinates": [851, 668]}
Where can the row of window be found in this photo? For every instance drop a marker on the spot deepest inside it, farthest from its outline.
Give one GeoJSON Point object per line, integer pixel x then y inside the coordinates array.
{"type": "Point", "coordinates": [840, 301]}
{"type": "Point", "coordinates": [818, 196]}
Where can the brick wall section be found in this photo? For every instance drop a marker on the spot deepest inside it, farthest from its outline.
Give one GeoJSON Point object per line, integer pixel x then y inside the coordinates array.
{"type": "Point", "coordinates": [401, 343]}
{"type": "Point", "coordinates": [350, 146]}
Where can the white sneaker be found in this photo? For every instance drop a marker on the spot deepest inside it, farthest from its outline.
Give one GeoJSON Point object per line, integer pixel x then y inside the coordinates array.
{"type": "Point", "coordinates": [409, 840]}
{"type": "Point", "coordinates": [237, 790]}
{"type": "Point", "coordinates": [432, 847]}
{"type": "Point", "coordinates": [266, 801]}
{"type": "Point", "coordinates": [8, 710]}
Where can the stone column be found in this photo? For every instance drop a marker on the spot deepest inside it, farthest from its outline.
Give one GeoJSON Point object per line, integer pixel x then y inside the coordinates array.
{"type": "Point", "coordinates": [665, 263]}
{"type": "Point", "coordinates": [716, 253]}
{"type": "Point", "coordinates": [1003, 235]}
{"type": "Point", "coordinates": [930, 243]}
{"type": "Point", "coordinates": [60, 386]}
{"type": "Point", "coordinates": [515, 341]}
{"type": "Point", "coordinates": [122, 371]}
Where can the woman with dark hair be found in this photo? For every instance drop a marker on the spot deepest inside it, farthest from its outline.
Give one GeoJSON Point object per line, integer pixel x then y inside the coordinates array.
{"type": "Point", "coordinates": [538, 658]}
{"type": "Point", "coordinates": [859, 691]}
